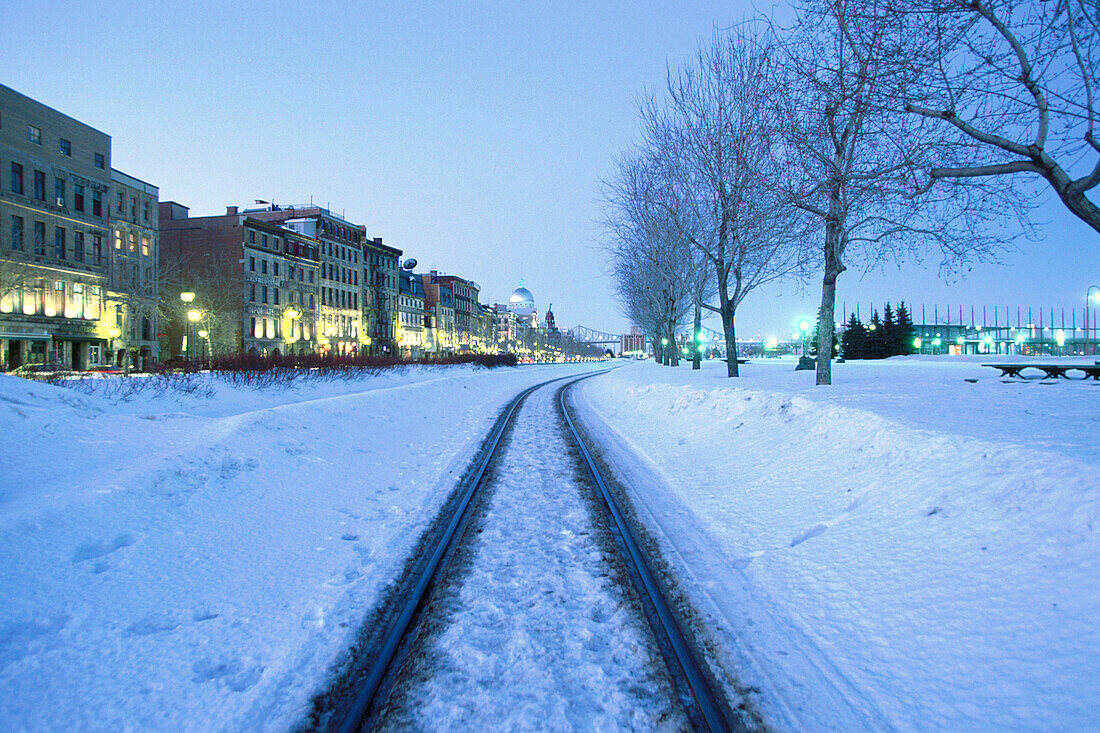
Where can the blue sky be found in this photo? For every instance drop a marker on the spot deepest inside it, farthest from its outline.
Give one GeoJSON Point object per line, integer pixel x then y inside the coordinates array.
{"type": "Point", "coordinates": [471, 135]}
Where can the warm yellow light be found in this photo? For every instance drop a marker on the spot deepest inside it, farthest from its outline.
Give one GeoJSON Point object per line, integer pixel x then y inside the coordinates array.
{"type": "Point", "coordinates": [203, 334]}
{"type": "Point", "coordinates": [187, 296]}
{"type": "Point", "coordinates": [193, 315]}
{"type": "Point", "coordinates": [114, 332]}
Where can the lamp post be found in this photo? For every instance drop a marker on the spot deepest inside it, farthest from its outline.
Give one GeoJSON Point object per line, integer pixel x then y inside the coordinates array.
{"type": "Point", "coordinates": [114, 332]}
{"type": "Point", "coordinates": [804, 327]}
{"type": "Point", "coordinates": [193, 316]}
{"type": "Point", "coordinates": [1093, 298]}
{"type": "Point", "coordinates": [187, 297]}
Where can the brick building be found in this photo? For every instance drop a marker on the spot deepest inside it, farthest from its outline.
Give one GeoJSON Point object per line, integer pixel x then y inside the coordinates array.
{"type": "Point", "coordinates": [256, 284]}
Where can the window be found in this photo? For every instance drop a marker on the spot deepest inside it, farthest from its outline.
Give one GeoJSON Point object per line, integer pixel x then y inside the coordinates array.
{"type": "Point", "coordinates": [119, 204]}
{"type": "Point", "coordinates": [311, 275]}
{"type": "Point", "coordinates": [275, 265]}
{"type": "Point", "coordinates": [118, 239]}
{"type": "Point", "coordinates": [263, 240]}
{"type": "Point", "coordinates": [255, 332]}
{"type": "Point", "coordinates": [145, 246]}
{"type": "Point", "coordinates": [97, 203]}
{"type": "Point", "coordinates": [265, 294]}
{"type": "Point", "coordinates": [59, 190]}
{"type": "Point", "coordinates": [40, 237]}
{"type": "Point", "coordinates": [311, 300]}
{"type": "Point", "coordinates": [17, 233]}
{"type": "Point", "coordinates": [34, 134]}
{"type": "Point", "coordinates": [276, 296]}
{"type": "Point", "coordinates": [59, 242]}
{"type": "Point", "coordinates": [40, 185]}
{"type": "Point", "coordinates": [97, 251]}
{"type": "Point", "coordinates": [133, 242]}
{"type": "Point", "coordinates": [133, 208]}
{"type": "Point", "coordinates": [263, 269]}
{"type": "Point", "coordinates": [252, 264]}
{"type": "Point", "coordinates": [99, 160]}
{"type": "Point", "coordinates": [145, 211]}
{"type": "Point", "coordinates": [16, 178]}
{"type": "Point", "coordinates": [78, 246]}
{"type": "Point", "coordinates": [78, 197]}
{"type": "Point", "coordinates": [252, 293]}
{"type": "Point", "coordinates": [65, 147]}
{"type": "Point", "coordinates": [251, 236]}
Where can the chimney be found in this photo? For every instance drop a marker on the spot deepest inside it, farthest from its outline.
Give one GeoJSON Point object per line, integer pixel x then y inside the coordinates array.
{"type": "Point", "coordinates": [230, 210]}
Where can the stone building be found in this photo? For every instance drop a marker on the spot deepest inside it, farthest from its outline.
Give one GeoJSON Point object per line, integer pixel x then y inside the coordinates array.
{"type": "Point", "coordinates": [358, 285]}
{"type": "Point", "coordinates": [468, 326]}
{"type": "Point", "coordinates": [252, 286]}
{"type": "Point", "coordinates": [410, 318]}
{"type": "Point", "coordinates": [66, 294]}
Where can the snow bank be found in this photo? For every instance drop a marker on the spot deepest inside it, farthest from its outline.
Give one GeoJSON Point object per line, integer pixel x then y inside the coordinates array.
{"type": "Point", "coordinates": [198, 560]}
{"type": "Point", "coordinates": [906, 549]}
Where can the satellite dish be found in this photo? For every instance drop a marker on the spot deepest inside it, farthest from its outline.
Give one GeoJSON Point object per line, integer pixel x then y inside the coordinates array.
{"type": "Point", "coordinates": [409, 264]}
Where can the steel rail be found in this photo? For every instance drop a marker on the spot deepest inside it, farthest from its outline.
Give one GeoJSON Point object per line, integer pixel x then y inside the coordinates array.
{"type": "Point", "coordinates": [705, 703]}
{"type": "Point", "coordinates": [396, 632]}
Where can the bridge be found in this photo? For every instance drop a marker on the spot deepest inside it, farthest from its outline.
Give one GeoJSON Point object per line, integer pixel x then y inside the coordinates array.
{"type": "Point", "coordinates": [585, 335]}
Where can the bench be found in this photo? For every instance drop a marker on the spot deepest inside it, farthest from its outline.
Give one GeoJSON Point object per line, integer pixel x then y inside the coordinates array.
{"type": "Point", "coordinates": [1050, 371]}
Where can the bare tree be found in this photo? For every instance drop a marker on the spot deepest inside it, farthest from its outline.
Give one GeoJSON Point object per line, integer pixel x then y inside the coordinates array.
{"type": "Point", "coordinates": [656, 276]}
{"type": "Point", "coordinates": [849, 155]}
{"type": "Point", "coordinates": [712, 142]}
{"type": "Point", "coordinates": [1012, 89]}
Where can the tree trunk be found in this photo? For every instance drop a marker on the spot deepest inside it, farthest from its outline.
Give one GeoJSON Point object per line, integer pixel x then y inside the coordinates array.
{"type": "Point", "coordinates": [833, 268]}
{"type": "Point", "coordinates": [731, 340]}
{"type": "Point", "coordinates": [726, 310]}
{"type": "Point", "coordinates": [696, 356]}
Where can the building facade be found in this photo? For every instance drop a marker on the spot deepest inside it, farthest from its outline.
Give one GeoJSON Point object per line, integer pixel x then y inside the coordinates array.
{"type": "Point", "coordinates": [250, 286]}
{"type": "Point", "coordinates": [380, 294]}
{"type": "Point", "coordinates": [410, 317]}
{"type": "Point", "coordinates": [66, 295]}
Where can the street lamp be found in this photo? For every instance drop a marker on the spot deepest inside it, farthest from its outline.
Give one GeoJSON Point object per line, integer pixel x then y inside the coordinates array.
{"type": "Point", "coordinates": [1094, 298]}
{"type": "Point", "coordinates": [193, 316]}
{"type": "Point", "coordinates": [804, 327]}
{"type": "Point", "coordinates": [114, 332]}
{"type": "Point", "coordinates": [187, 297]}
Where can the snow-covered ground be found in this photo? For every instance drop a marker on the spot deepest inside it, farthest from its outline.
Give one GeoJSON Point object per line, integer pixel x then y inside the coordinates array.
{"type": "Point", "coordinates": [198, 560]}
{"type": "Point", "coordinates": [535, 631]}
{"type": "Point", "coordinates": [905, 549]}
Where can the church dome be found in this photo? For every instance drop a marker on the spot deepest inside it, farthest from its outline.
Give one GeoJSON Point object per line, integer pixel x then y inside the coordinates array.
{"type": "Point", "coordinates": [522, 302]}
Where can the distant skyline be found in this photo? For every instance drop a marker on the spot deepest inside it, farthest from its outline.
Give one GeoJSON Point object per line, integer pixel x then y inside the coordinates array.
{"type": "Point", "coordinates": [471, 136]}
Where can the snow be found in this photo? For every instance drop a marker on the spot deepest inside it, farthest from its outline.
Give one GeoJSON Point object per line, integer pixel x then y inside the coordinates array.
{"type": "Point", "coordinates": [905, 549]}
{"type": "Point", "coordinates": [199, 559]}
{"type": "Point", "coordinates": [535, 631]}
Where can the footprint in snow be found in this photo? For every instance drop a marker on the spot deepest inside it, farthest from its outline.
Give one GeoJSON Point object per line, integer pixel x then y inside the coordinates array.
{"type": "Point", "coordinates": [237, 674]}
{"type": "Point", "coordinates": [92, 550]}
{"type": "Point", "coordinates": [158, 622]}
{"type": "Point", "coordinates": [812, 532]}
{"type": "Point", "coordinates": [19, 639]}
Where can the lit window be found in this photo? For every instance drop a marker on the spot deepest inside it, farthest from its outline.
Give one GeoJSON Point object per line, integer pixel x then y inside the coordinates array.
{"type": "Point", "coordinates": [145, 246]}
{"type": "Point", "coordinates": [118, 239]}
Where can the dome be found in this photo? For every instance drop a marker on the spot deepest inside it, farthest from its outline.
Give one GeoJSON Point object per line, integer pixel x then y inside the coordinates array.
{"type": "Point", "coordinates": [522, 295]}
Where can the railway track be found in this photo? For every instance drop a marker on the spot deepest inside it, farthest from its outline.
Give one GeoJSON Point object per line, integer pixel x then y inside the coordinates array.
{"type": "Point", "coordinates": [484, 538]}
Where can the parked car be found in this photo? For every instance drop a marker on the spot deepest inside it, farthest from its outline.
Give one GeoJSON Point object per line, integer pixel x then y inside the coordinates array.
{"type": "Point", "coordinates": [40, 370]}
{"type": "Point", "coordinates": [104, 369]}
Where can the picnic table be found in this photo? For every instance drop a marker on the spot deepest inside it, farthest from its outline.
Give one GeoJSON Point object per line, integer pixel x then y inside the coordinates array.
{"type": "Point", "coordinates": [1050, 371]}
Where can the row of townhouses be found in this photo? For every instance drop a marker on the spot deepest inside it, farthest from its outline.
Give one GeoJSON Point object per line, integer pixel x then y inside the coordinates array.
{"type": "Point", "coordinates": [95, 269]}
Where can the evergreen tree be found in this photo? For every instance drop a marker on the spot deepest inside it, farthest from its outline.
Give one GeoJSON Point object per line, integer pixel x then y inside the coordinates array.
{"type": "Point", "coordinates": [889, 333]}
{"type": "Point", "coordinates": [876, 338]}
{"type": "Point", "coordinates": [817, 332]}
{"type": "Point", "coordinates": [905, 330]}
{"type": "Point", "coordinates": [855, 339]}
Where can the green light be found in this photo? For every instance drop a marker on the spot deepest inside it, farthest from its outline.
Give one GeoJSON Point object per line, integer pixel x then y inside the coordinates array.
{"type": "Point", "coordinates": [664, 341]}
{"type": "Point", "coordinates": [936, 341]}
{"type": "Point", "coordinates": [701, 336]}
{"type": "Point", "coordinates": [960, 340]}
{"type": "Point", "coordinates": [805, 325]}
{"type": "Point", "coordinates": [917, 342]}
{"type": "Point", "coordinates": [702, 347]}
{"type": "Point", "coordinates": [685, 351]}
